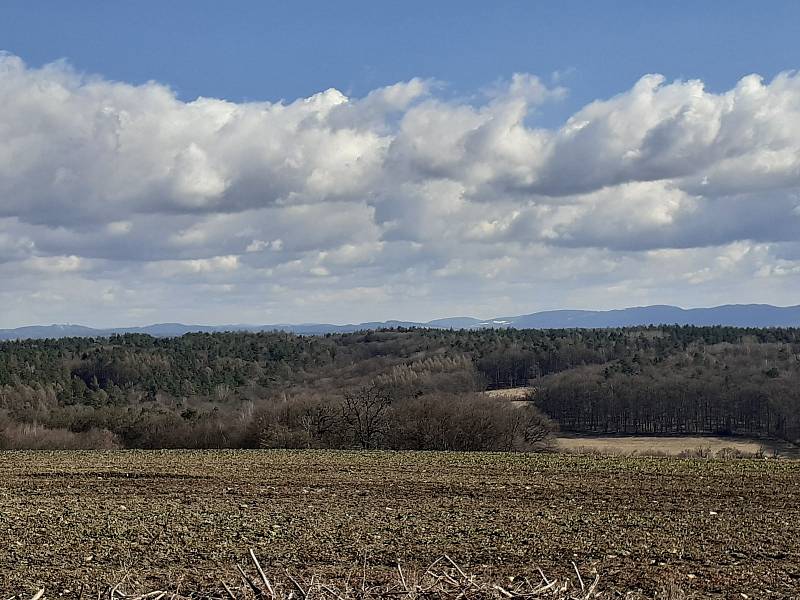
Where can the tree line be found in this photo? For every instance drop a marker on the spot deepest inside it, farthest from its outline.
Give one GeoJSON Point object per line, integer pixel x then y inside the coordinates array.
{"type": "Point", "coordinates": [398, 388]}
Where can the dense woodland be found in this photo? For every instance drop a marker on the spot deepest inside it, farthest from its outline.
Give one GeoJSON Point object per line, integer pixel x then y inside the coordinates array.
{"type": "Point", "coordinates": [402, 388]}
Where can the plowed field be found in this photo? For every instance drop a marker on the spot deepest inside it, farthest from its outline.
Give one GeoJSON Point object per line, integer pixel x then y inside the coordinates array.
{"type": "Point", "coordinates": [80, 520]}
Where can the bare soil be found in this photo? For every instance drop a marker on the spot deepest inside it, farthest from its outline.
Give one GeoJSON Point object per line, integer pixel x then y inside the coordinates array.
{"type": "Point", "coordinates": [78, 521]}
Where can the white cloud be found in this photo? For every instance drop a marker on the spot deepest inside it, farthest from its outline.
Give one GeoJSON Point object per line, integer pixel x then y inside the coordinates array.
{"type": "Point", "coordinates": [56, 264]}
{"type": "Point", "coordinates": [116, 199]}
{"type": "Point", "coordinates": [119, 227]}
{"type": "Point", "coordinates": [216, 264]}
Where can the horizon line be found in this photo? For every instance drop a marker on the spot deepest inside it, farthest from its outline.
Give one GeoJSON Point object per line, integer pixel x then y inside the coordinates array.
{"type": "Point", "coordinates": [389, 320]}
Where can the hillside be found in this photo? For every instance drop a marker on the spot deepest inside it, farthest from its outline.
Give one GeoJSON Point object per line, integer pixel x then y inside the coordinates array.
{"type": "Point", "coordinates": [401, 388]}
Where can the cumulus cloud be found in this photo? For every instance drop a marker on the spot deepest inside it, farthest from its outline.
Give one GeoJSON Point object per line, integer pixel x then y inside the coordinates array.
{"type": "Point", "coordinates": [126, 204]}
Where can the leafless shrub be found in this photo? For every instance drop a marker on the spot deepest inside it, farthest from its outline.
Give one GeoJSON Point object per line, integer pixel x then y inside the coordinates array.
{"type": "Point", "coordinates": [466, 422]}
{"type": "Point", "coordinates": [32, 436]}
{"type": "Point", "coordinates": [653, 453]}
{"type": "Point", "coordinates": [728, 453]}
{"type": "Point", "coordinates": [300, 422]}
{"type": "Point", "coordinates": [699, 452]}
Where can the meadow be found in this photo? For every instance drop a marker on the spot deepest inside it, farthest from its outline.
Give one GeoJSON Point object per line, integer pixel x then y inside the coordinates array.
{"type": "Point", "coordinates": [699, 446]}
{"type": "Point", "coordinates": [75, 522]}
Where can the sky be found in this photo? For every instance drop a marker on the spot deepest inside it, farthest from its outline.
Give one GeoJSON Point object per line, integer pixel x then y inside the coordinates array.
{"type": "Point", "coordinates": [257, 162]}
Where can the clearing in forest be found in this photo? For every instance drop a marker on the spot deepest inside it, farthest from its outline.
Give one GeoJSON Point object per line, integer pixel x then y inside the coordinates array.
{"type": "Point", "coordinates": [674, 445]}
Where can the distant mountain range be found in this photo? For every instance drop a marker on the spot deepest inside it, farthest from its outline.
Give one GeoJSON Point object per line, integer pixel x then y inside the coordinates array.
{"type": "Point", "coordinates": [735, 315]}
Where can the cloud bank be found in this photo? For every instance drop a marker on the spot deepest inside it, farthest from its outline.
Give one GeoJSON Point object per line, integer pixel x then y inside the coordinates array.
{"type": "Point", "coordinates": [122, 204]}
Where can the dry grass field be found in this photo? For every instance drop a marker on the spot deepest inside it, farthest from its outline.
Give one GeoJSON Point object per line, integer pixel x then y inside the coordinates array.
{"type": "Point", "coordinates": [625, 445]}
{"type": "Point", "coordinates": [518, 393]}
{"type": "Point", "coordinates": [74, 522]}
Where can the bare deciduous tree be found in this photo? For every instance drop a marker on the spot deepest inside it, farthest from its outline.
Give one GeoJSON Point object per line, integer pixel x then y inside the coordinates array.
{"type": "Point", "coordinates": [365, 411]}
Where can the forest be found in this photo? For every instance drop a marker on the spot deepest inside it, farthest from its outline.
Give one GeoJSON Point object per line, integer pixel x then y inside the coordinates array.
{"type": "Point", "coordinates": [396, 388]}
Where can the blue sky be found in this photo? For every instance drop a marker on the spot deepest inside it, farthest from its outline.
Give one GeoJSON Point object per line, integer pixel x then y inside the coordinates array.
{"type": "Point", "coordinates": [355, 161]}
{"type": "Point", "coordinates": [272, 50]}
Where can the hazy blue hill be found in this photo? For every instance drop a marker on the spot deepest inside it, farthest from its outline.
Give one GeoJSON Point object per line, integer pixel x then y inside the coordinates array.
{"type": "Point", "coordinates": [454, 323]}
{"type": "Point", "coordinates": [37, 332]}
{"type": "Point", "coordinates": [735, 315]}
{"type": "Point", "coordinates": [746, 315]}
{"type": "Point", "coordinates": [640, 315]}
